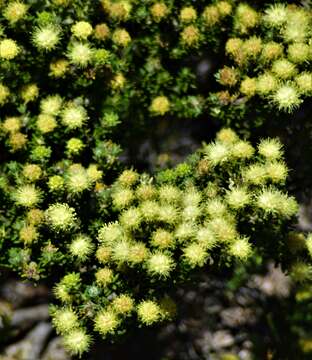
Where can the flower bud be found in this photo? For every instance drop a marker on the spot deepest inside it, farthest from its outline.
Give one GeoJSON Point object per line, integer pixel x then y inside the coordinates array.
{"type": "Point", "coordinates": [28, 234]}
{"type": "Point", "coordinates": [58, 68]}
{"type": "Point", "coordinates": [4, 94]}
{"type": "Point", "coordinates": [29, 93]}
{"type": "Point", "coordinates": [12, 124]}
{"type": "Point", "coordinates": [188, 14]}
{"type": "Point", "coordinates": [32, 172]}
{"type": "Point", "coordinates": [17, 141]}
{"type": "Point", "coordinates": [162, 239]}
{"type": "Point", "coordinates": [228, 76]}
{"type": "Point", "coordinates": [304, 83]}
{"type": "Point", "coordinates": [159, 11]}
{"type": "Point", "coordinates": [121, 37]}
{"type": "Point", "coordinates": [211, 15]}
{"type": "Point", "coordinates": [190, 35]}
{"type": "Point", "coordinates": [160, 105]}
{"type": "Point", "coordinates": [101, 32]}
{"type": "Point", "coordinates": [138, 253]}
{"type": "Point", "coordinates": [56, 183]}
{"type": "Point", "coordinates": [248, 86]}
{"type": "Point", "coordinates": [245, 18]}
{"type": "Point", "coordinates": [227, 136]}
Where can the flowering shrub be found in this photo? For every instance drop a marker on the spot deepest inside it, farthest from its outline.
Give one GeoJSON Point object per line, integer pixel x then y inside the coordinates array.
{"type": "Point", "coordinates": [78, 80]}
{"type": "Point", "coordinates": [271, 58]}
{"type": "Point", "coordinates": [221, 206]}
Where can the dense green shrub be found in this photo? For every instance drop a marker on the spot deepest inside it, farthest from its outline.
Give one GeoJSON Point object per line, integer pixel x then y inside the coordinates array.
{"type": "Point", "coordinates": [81, 79]}
{"type": "Point", "coordinates": [219, 207]}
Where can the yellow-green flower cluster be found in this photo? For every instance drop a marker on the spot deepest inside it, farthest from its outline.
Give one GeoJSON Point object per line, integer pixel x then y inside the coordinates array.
{"type": "Point", "coordinates": [275, 65]}
{"type": "Point", "coordinates": [163, 230]}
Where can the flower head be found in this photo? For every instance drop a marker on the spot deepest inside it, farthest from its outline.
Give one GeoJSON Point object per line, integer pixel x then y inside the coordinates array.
{"type": "Point", "coordinates": [77, 180]}
{"type": "Point", "coordinates": [271, 149]}
{"type": "Point", "coordinates": [82, 29]}
{"type": "Point", "coordinates": [160, 105]}
{"type": "Point", "coordinates": [51, 105]}
{"type": "Point", "coordinates": [266, 83]}
{"type": "Point", "coordinates": [8, 49]}
{"type": "Point", "coordinates": [46, 37]}
{"type": "Point", "coordinates": [159, 11]}
{"type": "Point", "coordinates": [80, 54]}
{"type": "Point", "coordinates": [190, 35]}
{"type": "Point", "coordinates": [27, 196]}
{"type": "Point", "coordinates": [159, 264]}
{"type": "Point", "coordinates": [61, 217]}
{"type": "Point", "coordinates": [106, 322]}
{"type": "Point", "coordinates": [286, 97]}
{"type": "Point", "coordinates": [284, 69]}
{"type": "Point", "coordinates": [32, 172]}
{"type": "Point", "coordinates": [65, 320]}
{"type": "Point", "coordinates": [195, 255]}
{"type": "Point", "coordinates": [104, 276]}
{"type": "Point", "coordinates": [30, 93]}
{"type": "Point", "coordinates": [81, 247]}
{"type": "Point", "coordinates": [121, 37]}
{"type": "Point", "coordinates": [188, 14]}
{"type": "Point", "coordinates": [77, 341]}
{"type": "Point", "coordinates": [238, 198]}
{"type": "Point", "coordinates": [12, 124]}
{"type": "Point", "coordinates": [276, 15]}
{"type": "Point", "coordinates": [101, 32]}
{"type": "Point", "coordinates": [123, 304]}
{"type": "Point", "coordinates": [149, 312]}
{"type": "Point", "coordinates": [15, 11]}
{"type": "Point", "coordinates": [240, 249]}
{"type": "Point", "coordinates": [74, 116]}
{"type": "Point", "coordinates": [304, 83]}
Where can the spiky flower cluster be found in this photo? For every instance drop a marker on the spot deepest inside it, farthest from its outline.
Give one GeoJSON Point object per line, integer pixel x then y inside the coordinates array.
{"type": "Point", "coordinates": [164, 230]}
{"type": "Point", "coordinates": [71, 72]}
{"type": "Point", "coordinates": [282, 54]}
